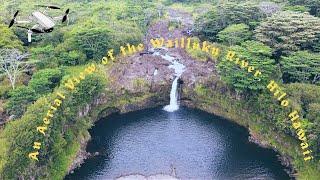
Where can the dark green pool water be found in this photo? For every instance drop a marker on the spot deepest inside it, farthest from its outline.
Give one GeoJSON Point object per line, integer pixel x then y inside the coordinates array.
{"type": "Point", "coordinates": [197, 144]}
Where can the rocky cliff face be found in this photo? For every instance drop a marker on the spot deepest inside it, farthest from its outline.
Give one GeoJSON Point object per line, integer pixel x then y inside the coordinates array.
{"type": "Point", "coordinates": [144, 81]}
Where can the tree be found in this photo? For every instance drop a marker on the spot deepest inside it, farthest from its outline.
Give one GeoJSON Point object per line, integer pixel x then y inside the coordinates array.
{"type": "Point", "coordinates": [307, 97]}
{"type": "Point", "coordinates": [289, 31]}
{"type": "Point", "coordinates": [61, 141]}
{"type": "Point", "coordinates": [313, 5]}
{"type": "Point", "coordinates": [71, 58]}
{"type": "Point", "coordinates": [209, 24]}
{"type": "Point", "coordinates": [92, 41]}
{"type": "Point", "coordinates": [297, 8]}
{"type": "Point", "coordinates": [44, 81]}
{"type": "Point", "coordinates": [45, 56]}
{"type": "Point", "coordinates": [12, 64]}
{"type": "Point", "coordinates": [314, 130]}
{"type": "Point", "coordinates": [20, 99]}
{"type": "Point", "coordinates": [9, 39]}
{"type": "Point", "coordinates": [234, 34]}
{"type": "Point", "coordinates": [301, 66]}
{"type": "Point", "coordinates": [259, 56]}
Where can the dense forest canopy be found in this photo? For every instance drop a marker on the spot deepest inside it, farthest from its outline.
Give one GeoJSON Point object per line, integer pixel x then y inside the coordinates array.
{"type": "Point", "coordinates": [281, 37]}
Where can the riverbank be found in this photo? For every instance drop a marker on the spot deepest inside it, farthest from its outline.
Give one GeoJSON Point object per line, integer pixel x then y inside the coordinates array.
{"type": "Point", "coordinates": [203, 90]}
{"type": "Point", "coordinates": [197, 144]}
{"type": "Point", "coordinates": [216, 97]}
{"type": "Point", "coordinates": [132, 84]}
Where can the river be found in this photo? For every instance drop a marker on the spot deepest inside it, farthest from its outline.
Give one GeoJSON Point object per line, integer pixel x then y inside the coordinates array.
{"type": "Point", "coordinates": [187, 143]}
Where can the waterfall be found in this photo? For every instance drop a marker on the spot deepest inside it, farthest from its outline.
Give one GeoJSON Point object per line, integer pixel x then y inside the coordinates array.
{"type": "Point", "coordinates": [178, 69]}
{"type": "Point", "coordinates": [173, 106]}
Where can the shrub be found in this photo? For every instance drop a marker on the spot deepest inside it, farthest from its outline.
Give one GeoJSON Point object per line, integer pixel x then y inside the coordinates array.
{"type": "Point", "coordinates": [289, 31]}
{"type": "Point", "coordinates": [297, 8]}
{"type": "Point", "coordinates": [301, 66]}
{"type": "Point", "coordinates": [259, 56]}
{"type": "Point", "coordinates": [62, 137]}
{"type": "Point", "coordinates": [20, 99]}
{"type": "Point", "coordinates": [44, 81]}
{"type": "Point", "coordinates": [45, 56]}
{"type": "Point", "coordinates": [312, 5]}
{"type": "Point", "coordinates": [234, 34]}
{"type": "Point", "coordinates": [209, 24]}
{"type": "Point", "coordinates": [73, 57]}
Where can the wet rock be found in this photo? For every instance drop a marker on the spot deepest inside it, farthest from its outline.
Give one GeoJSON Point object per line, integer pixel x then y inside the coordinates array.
{"type": "Point", "coordinates": [12, 117]}
{"type": "Point", "coordinates": [137, 74]}
{"type": "Point", "coordinates": [254, 138]}
{"type": "Point", "coordinates": [81, 155]}
{"type": "Point", "coordinates": [134, 76]}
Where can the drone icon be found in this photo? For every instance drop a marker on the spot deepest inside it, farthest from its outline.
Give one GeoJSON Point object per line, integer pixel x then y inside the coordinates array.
{"type": "Point", "coordinates": [44, 22]}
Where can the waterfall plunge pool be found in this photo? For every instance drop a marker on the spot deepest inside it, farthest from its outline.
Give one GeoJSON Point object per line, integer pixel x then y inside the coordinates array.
{"type": "Point", "coordinates": [194, 143]}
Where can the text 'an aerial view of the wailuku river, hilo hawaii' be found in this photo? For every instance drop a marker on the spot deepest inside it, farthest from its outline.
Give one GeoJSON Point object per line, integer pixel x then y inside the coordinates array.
{"type": "Point", "coordinates": [145, 90]}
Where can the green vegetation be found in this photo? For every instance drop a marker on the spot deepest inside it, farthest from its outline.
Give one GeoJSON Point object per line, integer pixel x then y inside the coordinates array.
{"type": "Point", "coordinates": [301, 66]}
{"type": "Point", "coordinates": [312, 5]}
{"type": "Point", "coordinates": [297, 8]}
{"type": "Point", "coordinates": [234, 34]}
{"type": "Point", "coordinates": [174, 25]}
{"type": "Point", "coordinates": [94, 28]}
{"type": "Point", "coordinates": [9, 39]}
{"type": "Point", "coordinates": [285, 47]}
{"type": "Point", "coordinates": [58, 144]}
{"type": "Point", "coordinates": [306, 98]}
{"type": "Point", "coordinates": [289, 31]}
{"type": "Point", "coordinates": [198, 54]}
{"type": "Point", "coordinates": [223, 15]}
{"type": "Point", "coordinates": [13, 64]}
{"type": "Point", "coordinates": [281, 38]}
{"type": "Point", "coordinates": [20, 99]}
{"type": "Point", "coordinates": [255, 54]}
{"type": "Point", "coordinates": [44, 81]}
{"type": "Point", "coordinates": [264, 117]}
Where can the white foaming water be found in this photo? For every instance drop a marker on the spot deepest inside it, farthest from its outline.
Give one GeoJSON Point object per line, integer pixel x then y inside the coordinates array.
{"type": "Point", "coordinates": [178, 69]}
{"type": "Point", "coordinates": [173, 106]}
